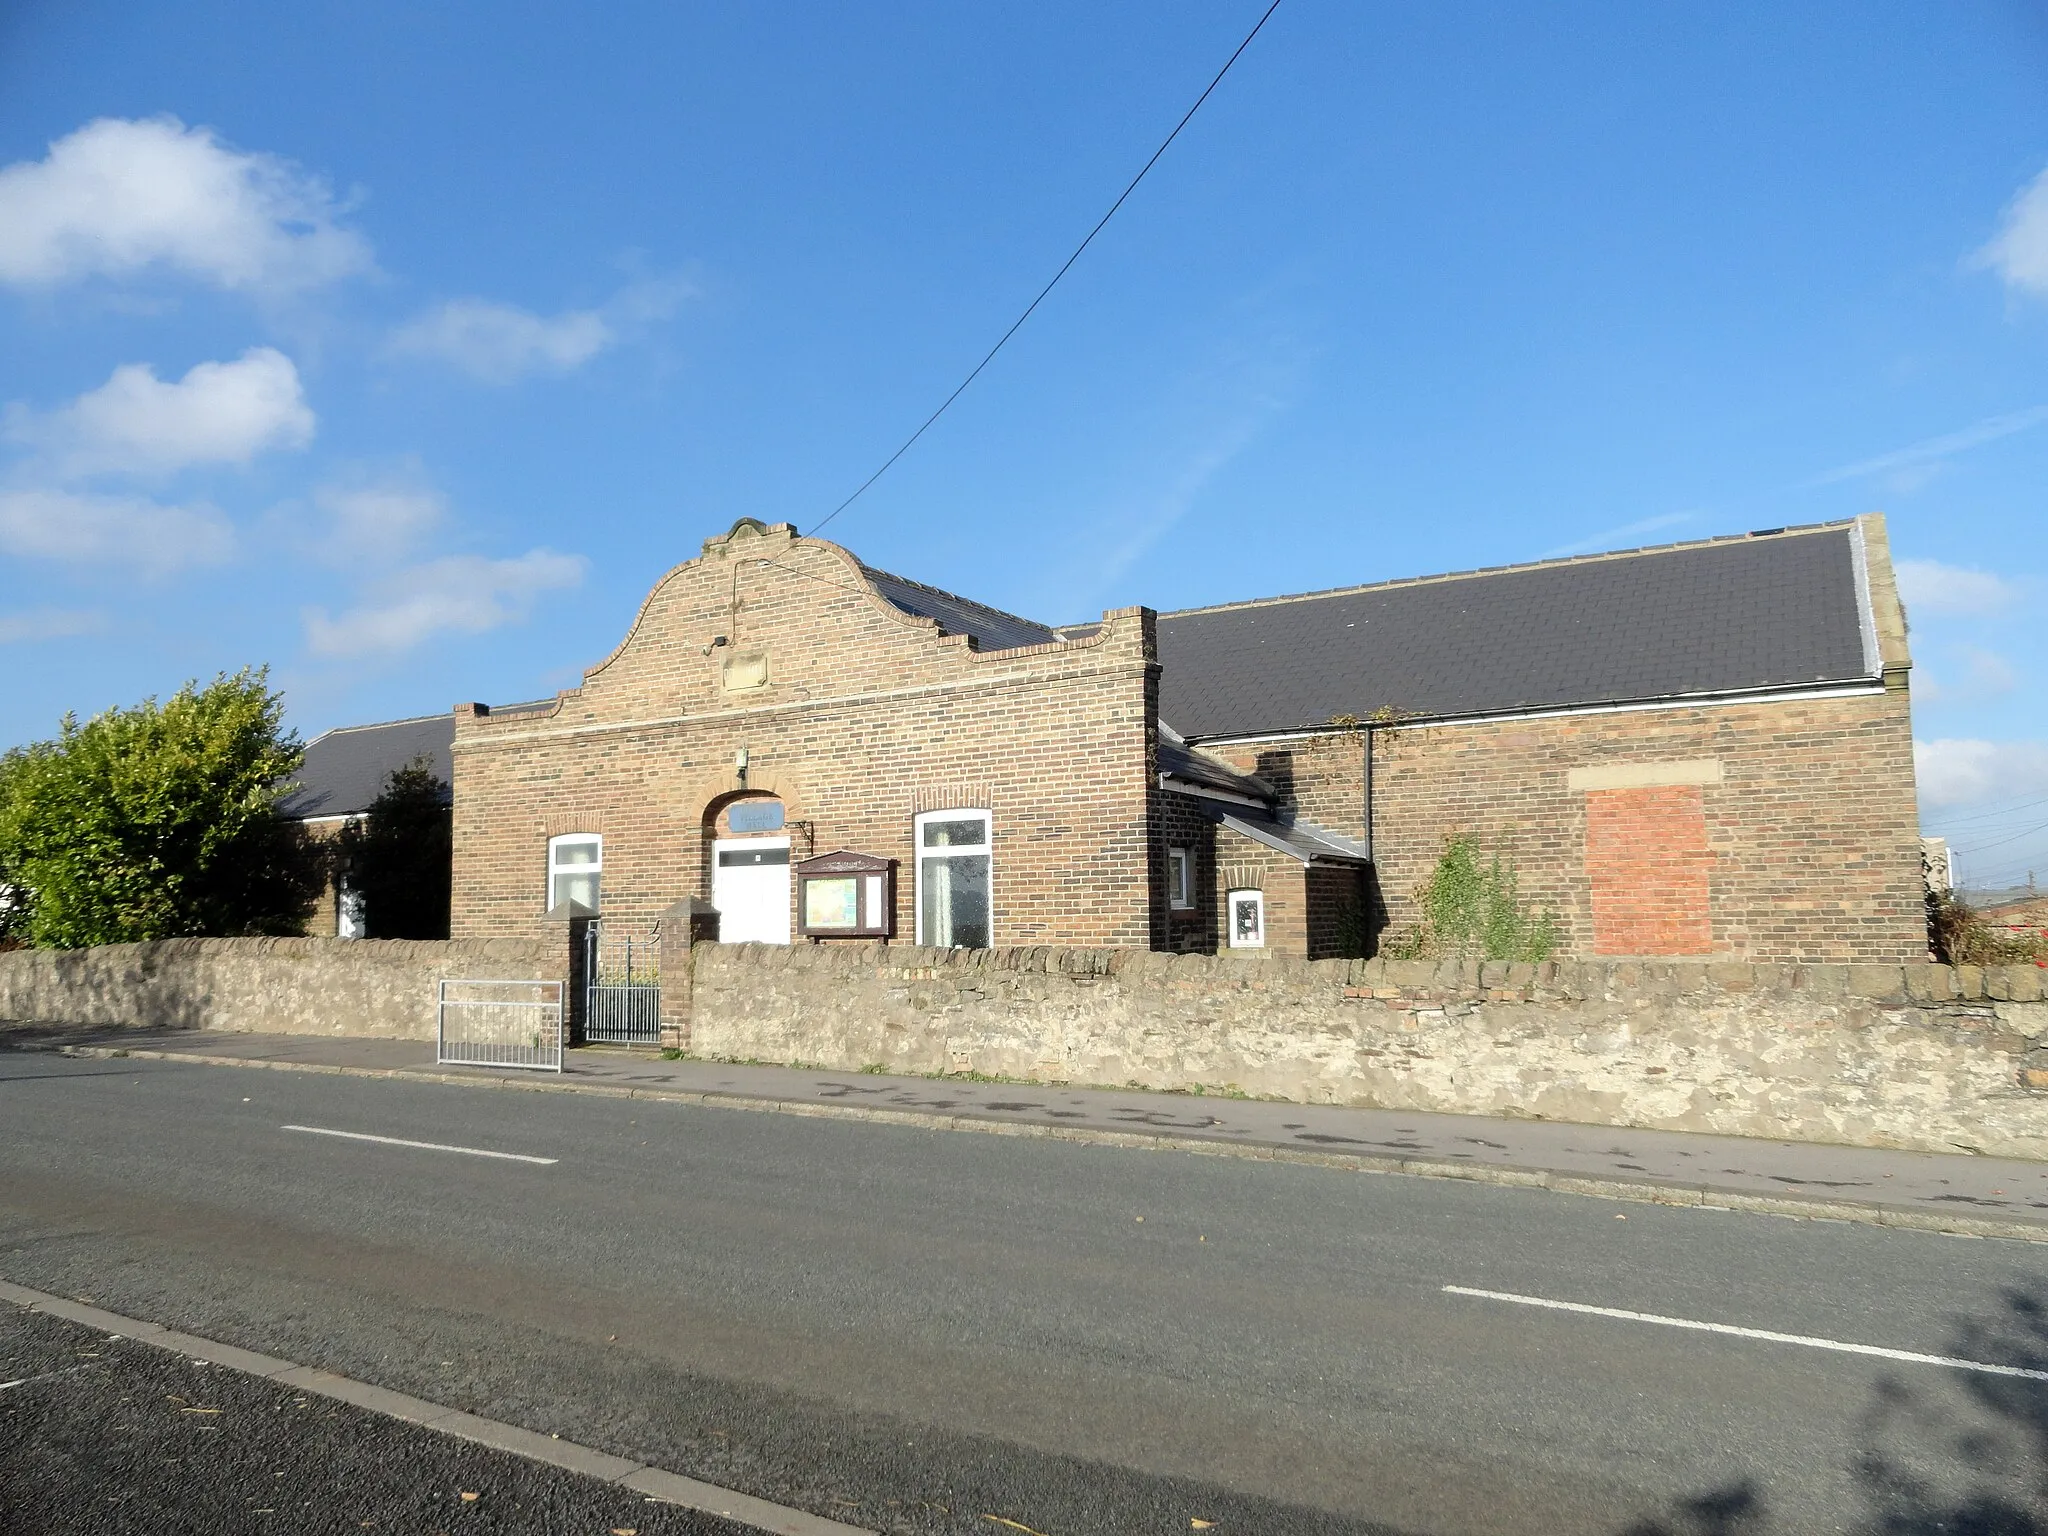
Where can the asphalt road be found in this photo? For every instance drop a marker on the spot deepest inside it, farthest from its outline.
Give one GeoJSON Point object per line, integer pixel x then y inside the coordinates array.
{"type": "Point", "coordinates": [918, 1330]}
{"type": "Point", "coordinates": [103, 1437]}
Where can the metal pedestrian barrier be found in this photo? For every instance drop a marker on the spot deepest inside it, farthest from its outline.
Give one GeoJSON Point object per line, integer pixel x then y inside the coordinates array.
{"type": "Point", "coordinates": [482, 1023]}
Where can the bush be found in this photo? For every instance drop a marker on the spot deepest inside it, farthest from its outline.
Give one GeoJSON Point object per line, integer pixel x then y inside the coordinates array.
{"type": "Point", "coordinates": [157, 822]}
{"type": "Point", "coordinates": [1475, 912]}
{"type": "Point", "coordinates": [1959, 936]}
{"type": "Point", "coordinates": [399, 859]}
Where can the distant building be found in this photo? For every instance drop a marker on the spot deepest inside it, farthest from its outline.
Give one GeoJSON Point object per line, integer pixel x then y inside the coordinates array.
{"type": "Point", "coordinates": [344, 772]}
{"type": "Point", "coordinates": [1938, 865]}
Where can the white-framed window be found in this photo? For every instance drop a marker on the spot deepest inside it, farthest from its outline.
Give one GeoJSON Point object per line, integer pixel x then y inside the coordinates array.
{"type": "Point", "coordinates": [955, 873]}
{"type": "Point", "coordinates": [1180, 879]}
{"type": "Point", "coordinates": [1247, 918]}
{"type": "Point", "coordinates": [575, 861]}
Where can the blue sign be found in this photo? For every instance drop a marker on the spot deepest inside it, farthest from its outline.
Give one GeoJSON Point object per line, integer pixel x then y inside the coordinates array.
{"type": "Point", "coordinates": [755, 816]}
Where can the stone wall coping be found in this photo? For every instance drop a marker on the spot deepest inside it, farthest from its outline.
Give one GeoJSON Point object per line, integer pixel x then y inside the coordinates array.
{"type": "Point", "coordinates": [1918, 985]}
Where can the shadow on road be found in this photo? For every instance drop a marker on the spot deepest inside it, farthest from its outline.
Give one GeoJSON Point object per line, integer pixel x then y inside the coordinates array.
{"type": "Point", "coordinates": [1958, 1453]}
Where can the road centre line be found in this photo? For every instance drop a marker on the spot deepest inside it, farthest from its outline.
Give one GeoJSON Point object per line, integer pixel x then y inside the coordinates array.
{"type": "Point", "coordinates": [1807, 1341]}
{"type": "Point", "coordinates": [424, 1146]}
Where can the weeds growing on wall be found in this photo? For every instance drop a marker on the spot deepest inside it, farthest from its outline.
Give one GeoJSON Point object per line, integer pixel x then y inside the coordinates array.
{"type": "Point", "coordinates": [1474, 910]}
{"type": "Point", "coordinates": [1959, 936]}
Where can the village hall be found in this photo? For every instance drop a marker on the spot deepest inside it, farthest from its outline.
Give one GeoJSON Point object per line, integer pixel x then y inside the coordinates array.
{"type": "Point", "coordinates": [1695, 750]}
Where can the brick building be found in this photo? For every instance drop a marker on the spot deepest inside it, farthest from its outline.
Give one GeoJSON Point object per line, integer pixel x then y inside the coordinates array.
{"type": "Point", "coordinates": [344, 772]}
{"type": "Point", "coordinates": [1702, 749]}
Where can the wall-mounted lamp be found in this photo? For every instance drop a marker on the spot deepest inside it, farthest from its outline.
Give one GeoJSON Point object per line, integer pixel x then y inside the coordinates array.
{"type": "Point", "coordinates": [716, 642]}
{"type": "Point", "coordinates": [739, 766]}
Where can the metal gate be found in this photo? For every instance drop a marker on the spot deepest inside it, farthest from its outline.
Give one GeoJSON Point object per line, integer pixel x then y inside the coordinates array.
{"type": "Point", "coordinates": [499, 1024]}
{"type": "Point", "coordinates": [622, 983]}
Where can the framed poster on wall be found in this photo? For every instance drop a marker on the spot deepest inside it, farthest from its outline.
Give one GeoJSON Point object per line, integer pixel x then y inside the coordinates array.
{"type": "Point", "coordinates": [846, 895]}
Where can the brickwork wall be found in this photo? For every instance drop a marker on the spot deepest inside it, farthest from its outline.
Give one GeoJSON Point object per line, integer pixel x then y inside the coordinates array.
{"type": "Point", "coordinates": [320, 923]}
{"type": "Point", "coordinates": [1335, 896]}
{"type": "Point", "coordinates": [1922, 1056]}
{"type": "Point", "coordinates": [1811, 829]}
{"type": "Point", "coordinates": [856, 716]}
{"type": "Point", "coordinates": [1647, 870]}
{"type": "Point", "coordinates": [1196, 930]}
{"type": "Point", "coordinates": [1242, 864]}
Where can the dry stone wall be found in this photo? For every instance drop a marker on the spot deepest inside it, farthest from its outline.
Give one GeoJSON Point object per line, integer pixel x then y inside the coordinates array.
{"type": "Point", "coordinates": [1921, 1056]}
{"type": "Point", "coordinates": [366, 987]}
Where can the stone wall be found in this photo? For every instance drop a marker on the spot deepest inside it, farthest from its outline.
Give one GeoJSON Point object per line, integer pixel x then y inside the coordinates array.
{"type": "Point", "coordinates": [1917, 1056]}
{"type": "Point", "coordinates": [369, 987]}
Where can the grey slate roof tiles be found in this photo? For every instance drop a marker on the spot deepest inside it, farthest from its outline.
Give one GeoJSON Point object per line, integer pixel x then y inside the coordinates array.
{"type": "Point", "coordinates": [1299, 839]}
{"type": "Point", "coordinates": [345, 769]}
{"type": "Point", "coordinates": [1745, 613]}
{"type": "Point", "coordinates": [992, 629]}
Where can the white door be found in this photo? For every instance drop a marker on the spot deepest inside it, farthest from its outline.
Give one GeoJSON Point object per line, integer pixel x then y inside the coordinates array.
{"type": "Point", "coordinates": [750, 888]}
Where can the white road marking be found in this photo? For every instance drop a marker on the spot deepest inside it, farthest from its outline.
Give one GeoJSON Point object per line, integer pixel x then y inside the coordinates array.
{"type": "Point", "coordinates": [1908, 1356]}
{"type": "Point", "coordinates": [424, 1146]}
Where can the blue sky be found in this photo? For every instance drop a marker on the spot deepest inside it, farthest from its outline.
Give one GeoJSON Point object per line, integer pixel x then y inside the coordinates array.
{"type": "Point", "coordinates": [403, 347]}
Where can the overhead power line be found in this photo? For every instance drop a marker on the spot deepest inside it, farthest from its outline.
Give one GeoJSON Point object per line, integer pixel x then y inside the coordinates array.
{"type": "Point", "coordinates": [1017, 324]}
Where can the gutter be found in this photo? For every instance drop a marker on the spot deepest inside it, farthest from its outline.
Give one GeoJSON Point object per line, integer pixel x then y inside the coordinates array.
{"type": "Point", "coordinates": [1857, 688]}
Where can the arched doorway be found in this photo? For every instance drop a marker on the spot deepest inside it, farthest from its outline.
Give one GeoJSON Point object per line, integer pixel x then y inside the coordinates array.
{"type": "Point", "coordinates": [750, 871]}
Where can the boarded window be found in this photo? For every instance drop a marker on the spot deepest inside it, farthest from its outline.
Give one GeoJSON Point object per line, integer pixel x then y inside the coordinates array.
{"type": "Point", "coordinates": [1647, 863]}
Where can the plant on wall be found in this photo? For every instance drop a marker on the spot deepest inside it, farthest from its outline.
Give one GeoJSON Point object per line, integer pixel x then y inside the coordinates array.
{"type": "Point", "coordinates": [1474, 910]}
{"type": "Point", "coordinates": [158, 822]}
{"type": "Point", "coordinates": [1960, 936]}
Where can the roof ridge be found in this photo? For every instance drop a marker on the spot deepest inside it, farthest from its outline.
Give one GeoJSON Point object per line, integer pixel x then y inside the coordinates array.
{"type": "Point", "coordinates": [379, 725]}
{"type": "Point", "coordinates": [1799, 530]}
{"type": "Point", "coordinates": [955, 597]}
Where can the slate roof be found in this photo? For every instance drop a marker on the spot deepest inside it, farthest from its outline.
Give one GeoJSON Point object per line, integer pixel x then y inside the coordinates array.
{"type": "Point", "coordinates": [1176, 761]}
{"type": "Point", "coordinates": [1757, 611]}
{"type": "Point", "coordinates": [1303, 840]}
{"type": "Point", "coordinates": [992, 629]}
{"type": "Point", "coordinates": [345, 769]}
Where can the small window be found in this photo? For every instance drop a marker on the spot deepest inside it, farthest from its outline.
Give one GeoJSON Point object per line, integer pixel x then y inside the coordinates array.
{"type": "Point", "coordinates": [1180, 879]}
{"type": "Point", "coordinates": [1247, 919]}
{"type": "Point", "coordinates": [574, 864]}
{"type": "Point", "coordinates": [954, 870]}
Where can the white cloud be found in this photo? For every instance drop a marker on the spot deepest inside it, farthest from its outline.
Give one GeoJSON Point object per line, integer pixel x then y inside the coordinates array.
{"type": "Point", "coordinates": [1933, 588]}
{"type": "Point", "coordinates": [219, 413]}
{"type": "Point", "coordinates": [502, 343]}
{"type": "Point", "coordinates": [1984, 674]}
{"type": "Point", "coordinates": [499, 343]}
{"type": "Point", "coordinates": [465, 594]}
{"type": "Point", "coordinates": [2019, 251]}
{"type": "Point", "coordinates": [1611, 539]}
{"type": "Point", "coordinates": [377, 521]}
{"type": "Point", "coordinates": [113, 530]}
{"type": "Point", "coordinates": [1964, 771]}
{"type": "Point", "coordinates": [29, 624]}
{"type": "Point", "coordinates": [1913, 466]}
{"type": "Point", "coordinates": [118, 197]}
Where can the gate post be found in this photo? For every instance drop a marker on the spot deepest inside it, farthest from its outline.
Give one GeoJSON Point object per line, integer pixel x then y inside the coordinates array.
{"type": "Point", "coordinates": [682, 925]}
{"type": "Point", "coordinates": [565, 926]}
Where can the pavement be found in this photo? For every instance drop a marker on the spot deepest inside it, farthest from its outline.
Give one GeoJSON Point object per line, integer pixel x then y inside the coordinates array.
{"type": "Point", "coordinates": [1956, 1192]}
{"type": "Point", "coordinates": [105, 1436]}
{"type": "Point", "coordinates": [909, 1330]}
